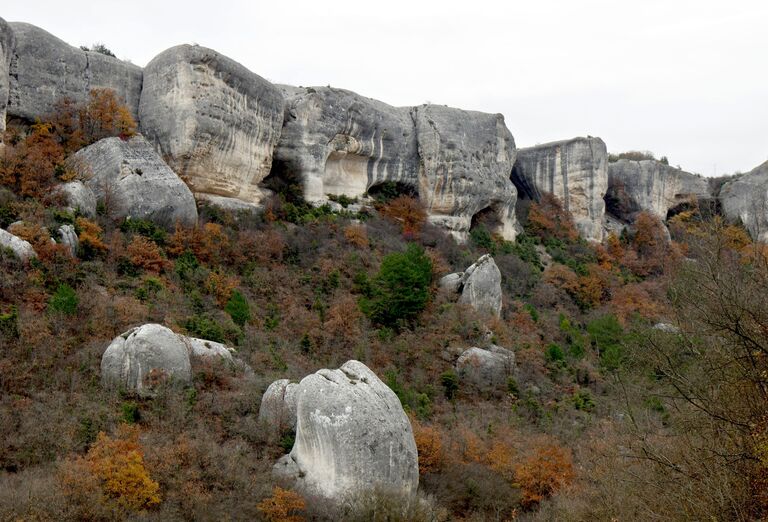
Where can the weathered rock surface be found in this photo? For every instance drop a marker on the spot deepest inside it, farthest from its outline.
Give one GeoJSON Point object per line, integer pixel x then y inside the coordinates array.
{"type": "Point", "coordinates": [343, 143]}
{"type": "Point", "coordinates": [486, 368]}
{"type": "Point", "coordinates": [79, 197]}
{"type": "Point", "coordinates": [7, 45]}
{"type": "Point", "coordinates": [466, 160]}
{"type": "Point", "coordinates": [745, 199]}
{"type": "Point", "coordinates": [278, 405]}
{"type": "Point", "coordinates": [68, 237]}
{"type": "Point", "coordinates": [481, 286]}
{"type": "Point", "coordinates": [352, 436]}
{"type": "Point", "coordinates": [649, 185]}
{"type": "Point", "coordinates": [44, 69]}
{"type": "Point", "coordinates": [214, 121]}
{"type": "Point", "coordinates": [21, 248]}
{"type": "Point", "coordinates": [134, 181]}
{"type": "Point", "coordinates": [143, 355]}
{"type": "Point", "coordinates": [576, 171]}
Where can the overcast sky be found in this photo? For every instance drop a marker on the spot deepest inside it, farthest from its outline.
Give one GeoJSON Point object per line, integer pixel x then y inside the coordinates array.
{"type": "Point", "coordinates": [685, 79]}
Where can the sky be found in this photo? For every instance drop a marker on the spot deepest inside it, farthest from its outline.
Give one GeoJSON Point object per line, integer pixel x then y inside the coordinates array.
{"type": "Point", "coordinates": [683, 79]}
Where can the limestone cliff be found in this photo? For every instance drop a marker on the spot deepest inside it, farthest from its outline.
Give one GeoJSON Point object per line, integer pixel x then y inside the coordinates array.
{"type": "Point", "coordinates": [575, 171]}
{"type": "Point", "coordinates": [745, 199]}
{"type": "Point", "coordinates": [7, 44]}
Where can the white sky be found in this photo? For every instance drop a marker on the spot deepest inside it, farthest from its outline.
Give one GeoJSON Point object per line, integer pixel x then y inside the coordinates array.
{"type": "Point", "coordinates": [682, 78]}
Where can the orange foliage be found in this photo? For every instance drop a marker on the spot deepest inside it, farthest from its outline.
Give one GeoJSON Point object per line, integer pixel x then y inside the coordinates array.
{"type": "Point", "coordinates": [115, 468]}
{"type": "Point", "coordinates": [29, 166]}
{"type": "Point", "coordinates": [429, 445]}
{"type": "Point", "coordinates": [356, 235]}
{"type": "Point", "coordinates": [221, 286]}
{"type": "Point", "coordinates": [548, 219]}
{"type": "Point", "coordinates": [541, 474]}
{"type": "Point", "coordinates": [283, 506]}
{"type": "Point", "coordinates": [90, 235]}
{"type": "Point", "coordinates": [408, 212]}
{"type": "Point", "coordinates": [633, 299]}
{"type": "Point", "coordinates": [209, 243]}
{"type": "Point", "coordinates": [145, 254]}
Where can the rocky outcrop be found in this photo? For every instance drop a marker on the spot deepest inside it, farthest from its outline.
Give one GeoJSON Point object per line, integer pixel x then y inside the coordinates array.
{"type": "Point", "coordinates": [139, 359]}
{"type": "Point", "coordinates": [21, 249]}
{"type": "Point", "coordinates": [486, 368]}
{"type": "Point", "coordinates": [132, 180]}
{"type": "Point", "coordinates": [144, 356]}
{"type": "Point", "coordinates": [79, 198]}
{"type": "Point", "coordinates": [745, 199]}
{"type": "Point", "coordinates": [651, 186]}
{"type": "Point", "coordinates": [68, 237]}
{"type": "Point", "coordinates": [214, 121]}
{"type": "Point", "coordinates": [352, 436]}
{"type": "Point", "coordinates": [278, 406]}
{"type": "Point", "coordinates": [44, 69]}
{"type": "Point", "coordinates": [7, 45]}
{"type": "Point", "coordinates": [575, 171]}
{"type": "Point", "coordinates": [466, 160]}
{"type": "Point", "coordinates": [479, 285]}
{"type": "Point", "coordinates": [342, 143]}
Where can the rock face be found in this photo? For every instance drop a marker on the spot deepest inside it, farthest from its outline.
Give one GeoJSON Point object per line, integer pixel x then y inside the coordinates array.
{"type": "Point", "coordinates": [745, 199]}
{"type": "Point", "coordinates": [44, 69]}
{"type": "Point", "coordinates": [481, 286]}
{"type": "Point", "coordinates": [342, 143]}
{"type": "Point", "coordinates": [576, 171]}
{"type": "Point", "coordinates": [649, 185]}
{"type": "Point", "coordinates": [144, 355]}
{"type": "Point", "coordinates": [135, 181]}
{"type": "Point", "coordinates": [466, 160]}
{"type": "Point", "coordinates": [69, 237]}
{"type": "Point", "coordinates": [278, 405]}
{"type": "Point", "coordinates": [21, 248]}
{"type": "Point", "coordinates": [489, 368]}
{"type": "Point", "coordinates": [214, 121]}
{"type": "Point", "coordinates": [352, 436]}
{"type": "Point", "coordinates": [7, 45]}
{"type": "Point", "coordinates": [79, 197]}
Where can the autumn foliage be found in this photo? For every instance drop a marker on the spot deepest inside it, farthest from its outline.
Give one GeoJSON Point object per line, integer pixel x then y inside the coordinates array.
{"type": "Point", "coordinates": [548, 219]}
{"type": "Point", "coordinates": [429, 445]}
{"type": "Point", "coordinates": [407, 212]}
{"type": "Point", "coordinates": [283, 506]}
{"type": "Point", "coordinates": [548, 469]}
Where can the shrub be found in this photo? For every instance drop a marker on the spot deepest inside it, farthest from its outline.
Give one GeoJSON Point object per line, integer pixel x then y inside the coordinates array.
{"type": "Point", "coordinates": [205, 328]}
{"type": "Point", "coordinates": [400, 291]}
{"type": "Point", "coordinates": [9, 323]}
{"type": "Point", "coordinates": [145, 254]}
{"type": "Point", "coordinates": [606, 334]}
{"type": "Point", "coordinates": [29, 166]}
{"type": "Point", "coordinates": [283, 506]}
{"type": "Point", "coordinates": [554, 353]}
{"type": "Point", "coordinates": [90, 236]}
{"type": "Point", "coordinates": [429, 445]}
{"type": "Point", "coordinates": [144, 227]}
{"type": "Point", "coordinates": [238, 309]}
{"type": "Point", "coordinates": [539, 475]}
{"type": "Point", "coordinates": [450, 382]}
{"type": "Point", "coordinates": [64, 300]}
{"type": "Point", "coordinates": [406, 211]}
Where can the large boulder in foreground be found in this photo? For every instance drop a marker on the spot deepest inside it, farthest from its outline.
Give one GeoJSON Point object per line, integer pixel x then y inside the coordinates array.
{"type": "Point", "coordinates": [143, 356]}
{"type": "Point", "coordinates": [21, 249]}
{"type": "Point", "coordinates": [214, 121]}
{"type": "Point", "coordinates": [479, 286]}
{"type": "Point", "coordinates": [745, 200]}
{"type": "Point", "coordinates": [650, 186]}
{"type": "Point", "coordinates": [466, 159]}
{"type": "Point", "coordinates": [488, 368]}
{"type": "Point", "coordinates": [352, 436]}
{"type": "Point", "coordinates": [133, 181]}
{"type": "Point", "coordinates": [576, 171]}
{"type": "Point", "coordinates": [45, 69]}
{"type": "Point", "coordinates": [7, 44]}
{"type": "Point", "coordinates": [341, 143]}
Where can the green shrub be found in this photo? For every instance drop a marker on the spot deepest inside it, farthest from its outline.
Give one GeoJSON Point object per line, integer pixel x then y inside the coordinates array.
{"type": "Point", "coordinates": [130, 413]}
{"type": "Point", "coordinates": [606, 335]}
{"type": "Point", "coordinates": [64, 300]}
{"type": "Point", "coordinates": [411, 400]}
{"type": "Point", "coordinates": [145, 228]}
{"type": "Point", "coordinates": [554, 353]}
{"type": "Point", "coordinates": [238, 309]}
{"type": "Point", "coordinates": [205, 328]}
{"type": "Point", "coordinates": [450, 382]}
{"type": "Point", "coordinates": [186, 265]}
{"type": "Point", "coordinates": [582, 400]}
{"type": "Point", "coordinates": [481, 238]}
{"type": "Point", "coordinates": [9, 323]}
{"type": "Point", "coordinates": [400, 291]}
{"type": "Point", "coordinates": [513, 387]}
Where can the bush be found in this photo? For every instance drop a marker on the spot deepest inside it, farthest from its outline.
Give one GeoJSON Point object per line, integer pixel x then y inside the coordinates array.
{"type": "Point", "coordinates": [205, 328]}
{"type": "Point", "coordinates": [606, 334]}
{"type": "Point", "coordinates": [9, 323]}
{"type": "Point", "coordinates": [554, 353]}
{"type": "Point", "coordinates": [283, 506]}
{"type": "Point", "coordinates": [238, 309]}
{"type": "Point", "coordinates": [64, 300]}
{"type": "Point", "coordinates": [400, 291]}
{"type": "Point", "coordinates": [450, 382]}
{"type": "Point", "coordinates": [548, 469]}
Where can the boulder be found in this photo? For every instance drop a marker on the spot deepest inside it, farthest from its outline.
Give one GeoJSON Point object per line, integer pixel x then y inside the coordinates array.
{"type": "Point", "coordinates": [134, 181]}
{"type": "Point", "coordinates": [466, 160]}
{"type": "Point", "coordinates": [278, 406]}
{"type": "Point", "coordinates": [45, 69]}
{"type": "Point", "coordinates": [143, 356]}
{"type": "Point", "coordinates": [341, 143]}
{"type": "Point", "coordinates": [352, 436]}
{"type": "Point", "coordinates": [486, 368]}
{"type": "Point", "coordinates": [79, 198]}
{"type": "Point", "coordinates": [451, 283]}
{"type": "Point", "coordinates": [481, 286]}
{"type": "Point", "coordinates": [21, 248]}
{"type": "Point", "coordinates": [651, 186]}
{"type": "Point", "coordinates": [745, 199]}
{"type": "Point", "coordinates": [7, 45]}
{"type": "Point", "coordinates": [215, 122]}
{"type": "Point", "coordinates": [68, 237]}
{"type": "Point", "coordinates": [575, 171]}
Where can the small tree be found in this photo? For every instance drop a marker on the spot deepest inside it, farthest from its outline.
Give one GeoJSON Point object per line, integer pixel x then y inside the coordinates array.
{"type": "Point", "coordinates": [64, 300]}
{"type": "Point", "coordinates": [283, 506]}
{"type": "Point", "coordinates": [238, 309]}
